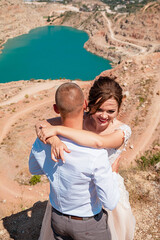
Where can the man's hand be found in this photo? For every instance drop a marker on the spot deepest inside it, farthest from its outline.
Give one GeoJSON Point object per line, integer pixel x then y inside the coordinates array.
{"type": "Point", "coordinates": [115, 165]}
{"type": "Point", "coordinates": [57, 148]}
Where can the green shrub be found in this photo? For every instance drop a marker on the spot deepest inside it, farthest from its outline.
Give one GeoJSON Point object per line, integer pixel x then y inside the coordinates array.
{"type": "Point", "coordinates": [48, 19]}
{"type": "Point", "coordinates": [113, 48]}
{"type": "Point", "coordinates": [35, 179]}
{"type": "Point", "coordinates": [141, 99]}
{"type": "Point", "coordinates": [148, 160]}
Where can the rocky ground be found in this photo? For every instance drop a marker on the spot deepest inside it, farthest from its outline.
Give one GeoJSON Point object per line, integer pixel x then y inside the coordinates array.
{"type": "Point", "coordinates": [23, 103]}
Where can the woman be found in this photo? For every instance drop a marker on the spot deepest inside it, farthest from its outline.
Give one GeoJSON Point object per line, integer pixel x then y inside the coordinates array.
{"type": "Point", "coordinates": [102, 129]}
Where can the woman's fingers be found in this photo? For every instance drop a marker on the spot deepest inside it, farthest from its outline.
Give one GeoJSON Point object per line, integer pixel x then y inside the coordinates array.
{"type": "Point", "coordinates": [61, 152]}
{"type": "Point", "coordinates": [66, 149]}
{"type": "Point", "coordinates": [41, 136]}
{"type": "Point", "coordinates": [57, 151]}
{"type": "Point", "coordinates": [53, 155]}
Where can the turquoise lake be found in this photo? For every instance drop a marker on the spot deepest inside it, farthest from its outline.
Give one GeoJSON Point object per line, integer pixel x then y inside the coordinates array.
{"type": "Point", "coordinates": [50, 52]}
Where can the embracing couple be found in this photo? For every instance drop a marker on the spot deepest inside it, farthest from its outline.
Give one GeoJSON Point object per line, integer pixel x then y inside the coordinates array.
{"type": "Point", "coordinates": [78, 153]}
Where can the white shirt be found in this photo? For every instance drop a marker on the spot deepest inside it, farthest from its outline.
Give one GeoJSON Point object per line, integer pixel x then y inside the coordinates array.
{"type": "Point", "coordinates": [82, 184]}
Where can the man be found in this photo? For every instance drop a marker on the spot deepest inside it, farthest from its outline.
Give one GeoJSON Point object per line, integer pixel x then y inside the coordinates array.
{"type": "Point", "coordinates": [80, 186]}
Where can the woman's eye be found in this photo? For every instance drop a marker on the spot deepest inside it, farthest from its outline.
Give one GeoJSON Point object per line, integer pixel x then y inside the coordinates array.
{"type": "Point", "coordinates": [111, 111]}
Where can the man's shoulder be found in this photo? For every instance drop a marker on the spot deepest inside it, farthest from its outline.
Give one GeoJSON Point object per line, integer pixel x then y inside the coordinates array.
{"type": "Point", "coordinates": [40, 150]}
{"type": "Point", "coordinates": [83, 149]}
{"type": "Point", "coordinates": [95, 151]}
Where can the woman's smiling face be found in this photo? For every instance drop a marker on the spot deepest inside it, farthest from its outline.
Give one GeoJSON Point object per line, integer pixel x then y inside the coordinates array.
{"type": "Point", "coordinates": [106, 113]}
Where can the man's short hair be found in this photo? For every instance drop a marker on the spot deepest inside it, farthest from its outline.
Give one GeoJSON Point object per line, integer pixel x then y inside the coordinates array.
{"type": "Point", "coordinates": [69, 98]}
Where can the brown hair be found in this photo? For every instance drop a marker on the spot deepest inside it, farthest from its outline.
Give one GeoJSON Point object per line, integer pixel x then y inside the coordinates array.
{"type": "Point", "coordinates": [69, 98]}
{"type": "Point", "coordinates": [103, 89]}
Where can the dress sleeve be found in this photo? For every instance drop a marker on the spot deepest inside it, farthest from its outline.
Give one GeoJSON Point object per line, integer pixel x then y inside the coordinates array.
{"type": "Point", "coordinates": [113, 153]}
{"type": "Point", "coordinates": [127, 133]}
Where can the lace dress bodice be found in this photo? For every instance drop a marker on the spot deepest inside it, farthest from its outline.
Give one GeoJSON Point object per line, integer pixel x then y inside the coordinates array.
{"type": "Point", "coordinates": [113, 153]}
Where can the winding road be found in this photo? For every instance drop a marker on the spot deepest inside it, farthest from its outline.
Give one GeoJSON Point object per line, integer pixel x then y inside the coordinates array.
{"type": "Point", "coordinates": [142, 49]}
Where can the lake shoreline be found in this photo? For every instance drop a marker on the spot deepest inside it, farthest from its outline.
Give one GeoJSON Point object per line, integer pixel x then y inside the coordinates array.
{"type": "Point", "coordinates": [50, 52]}
{"type": "Point", "coordinates": [41, 22]}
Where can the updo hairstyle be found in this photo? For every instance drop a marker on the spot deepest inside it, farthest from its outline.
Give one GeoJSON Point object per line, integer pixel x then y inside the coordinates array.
{"type": "Point", "coordinates": [103, 89]}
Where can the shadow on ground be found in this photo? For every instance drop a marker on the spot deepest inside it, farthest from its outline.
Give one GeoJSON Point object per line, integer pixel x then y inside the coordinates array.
{"type": "Point", "coordinates": [26, 225]}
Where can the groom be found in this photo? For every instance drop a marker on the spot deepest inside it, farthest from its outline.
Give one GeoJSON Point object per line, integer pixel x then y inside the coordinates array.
{"type": "Point", "coordinates": [80, 186]}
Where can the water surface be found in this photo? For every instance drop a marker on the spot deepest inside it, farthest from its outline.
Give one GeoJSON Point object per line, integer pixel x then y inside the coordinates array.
{"type": "Point", "coordinates": [50, 52]}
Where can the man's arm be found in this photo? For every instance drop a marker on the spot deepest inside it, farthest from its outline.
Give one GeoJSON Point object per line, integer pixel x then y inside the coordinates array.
{"type": "Point", "coordinates": [105, 181]}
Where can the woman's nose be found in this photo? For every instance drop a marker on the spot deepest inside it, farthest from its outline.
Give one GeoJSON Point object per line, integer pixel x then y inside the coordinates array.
{"type": "Point", "coordinates": [104, 115]}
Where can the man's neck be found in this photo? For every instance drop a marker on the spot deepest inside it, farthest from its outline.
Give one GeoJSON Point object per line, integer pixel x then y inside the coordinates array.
{"type": "Point", "coordinates": [76, 122]}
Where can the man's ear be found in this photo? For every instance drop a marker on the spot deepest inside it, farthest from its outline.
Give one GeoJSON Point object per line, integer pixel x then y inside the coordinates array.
{"type": "Point", "coordinates": [56, 108]}
{"type": "Point", "coordinates": [85, 104]}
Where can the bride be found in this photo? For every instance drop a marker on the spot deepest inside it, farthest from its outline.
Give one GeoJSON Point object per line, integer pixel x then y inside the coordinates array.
{"type": "Point", "coordinates": [102, 129]}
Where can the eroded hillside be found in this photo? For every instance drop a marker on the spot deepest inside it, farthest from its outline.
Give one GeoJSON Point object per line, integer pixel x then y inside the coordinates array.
{"type": "Point", "coordinates": [114, 36]}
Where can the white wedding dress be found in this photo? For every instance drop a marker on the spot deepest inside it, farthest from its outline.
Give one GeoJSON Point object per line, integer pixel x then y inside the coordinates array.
{"type": "Point", "coordinates": [121, 220]}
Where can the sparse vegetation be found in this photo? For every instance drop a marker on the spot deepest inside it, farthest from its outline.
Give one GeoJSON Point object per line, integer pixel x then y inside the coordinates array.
{"type": "Point", "coordinates": [35, 179]}
{"type": "Point", "coordinates": [136, 121]}
{"type": "Point", "coordinates": [48, 19]}
{"type": "Point", "coordinates": [49, 1]}
{"type": "Point", "coordinates": [68, 15]}
{"type": "Point", "coordinates": [141, 100]}
{"type": "Point", "coordinates": [148, 160]}
{"type": "Point", "coordinates": [126, 6]}
{"type": "Point", "coordinates": [110, 15]}
{"type": "Point", "coordinates": [84, 8]}
{"type": "Point", "coordinates": [113, 48]}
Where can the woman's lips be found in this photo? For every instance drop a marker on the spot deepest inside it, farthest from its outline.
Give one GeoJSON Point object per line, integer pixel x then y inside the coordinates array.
{"type": "Point", "coordinates": [103, 120]}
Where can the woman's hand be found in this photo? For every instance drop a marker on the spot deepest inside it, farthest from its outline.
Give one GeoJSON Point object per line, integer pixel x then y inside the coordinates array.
{"type": "Point", "coordinates": [38, 128]}
{"type": "Point", "coordinates": [57, 149]}
{"type": "Point", "coordinates": [45, 130]}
